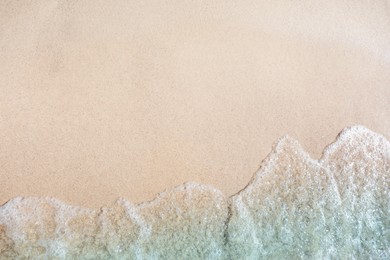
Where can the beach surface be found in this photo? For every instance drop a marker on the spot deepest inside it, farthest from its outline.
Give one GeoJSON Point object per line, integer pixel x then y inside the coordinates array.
{"type": "Point", "coordinates": [107, 99]}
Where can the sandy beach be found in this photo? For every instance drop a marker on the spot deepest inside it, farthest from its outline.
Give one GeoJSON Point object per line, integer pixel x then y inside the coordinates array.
{"type": "Point", "coordinates": [107, 99]}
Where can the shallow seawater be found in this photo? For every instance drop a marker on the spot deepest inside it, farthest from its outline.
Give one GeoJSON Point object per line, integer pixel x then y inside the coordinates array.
{"type": "Point", "coordinates": [337, 207]}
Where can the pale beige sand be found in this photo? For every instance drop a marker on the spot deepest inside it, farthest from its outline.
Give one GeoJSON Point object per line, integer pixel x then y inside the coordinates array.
{"type": "Point", "coordinates": [107, 99]}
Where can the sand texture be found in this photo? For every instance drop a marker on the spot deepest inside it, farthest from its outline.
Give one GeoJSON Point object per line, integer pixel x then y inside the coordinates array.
{"type": "Point", "coordinates": [108, 99]}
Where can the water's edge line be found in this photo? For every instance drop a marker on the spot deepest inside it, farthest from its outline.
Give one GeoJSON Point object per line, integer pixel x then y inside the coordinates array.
{"type": "Point", "coordinates": [263, 165]}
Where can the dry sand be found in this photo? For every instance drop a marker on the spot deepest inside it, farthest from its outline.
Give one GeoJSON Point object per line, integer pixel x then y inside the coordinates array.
{"type": "Point", "coordinates": [108, 99]}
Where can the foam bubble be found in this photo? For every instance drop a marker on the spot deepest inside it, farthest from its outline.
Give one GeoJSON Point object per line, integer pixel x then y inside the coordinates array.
{"type": "Point", "coordinates": [295, 206]}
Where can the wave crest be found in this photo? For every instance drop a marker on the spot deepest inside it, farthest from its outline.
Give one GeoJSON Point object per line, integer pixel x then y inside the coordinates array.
{"type": "Point", "coordinates": [295, 206]}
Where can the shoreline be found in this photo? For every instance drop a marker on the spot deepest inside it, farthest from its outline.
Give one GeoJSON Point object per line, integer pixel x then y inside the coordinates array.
{"type": "Point", "coordinates": [337, 142]}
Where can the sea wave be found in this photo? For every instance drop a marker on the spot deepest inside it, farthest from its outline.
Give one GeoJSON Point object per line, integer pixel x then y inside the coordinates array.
{"type": "Point", "coordinates": [295, 206]}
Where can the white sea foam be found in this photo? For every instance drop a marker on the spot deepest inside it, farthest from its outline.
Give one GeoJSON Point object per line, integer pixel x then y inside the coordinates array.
{"type": "Point", "coordinates": [295, 206]}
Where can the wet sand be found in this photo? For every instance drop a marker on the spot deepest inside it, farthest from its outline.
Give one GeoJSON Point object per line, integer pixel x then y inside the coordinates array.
{"type": "Point", "coordinates": [103, 100]}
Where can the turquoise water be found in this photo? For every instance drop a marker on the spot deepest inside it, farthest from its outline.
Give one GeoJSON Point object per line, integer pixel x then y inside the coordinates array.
{"type": "Point", "coordinates": [337, 207]}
